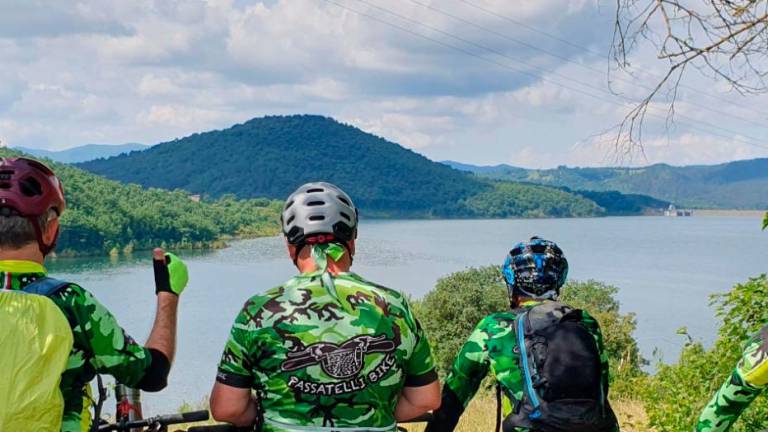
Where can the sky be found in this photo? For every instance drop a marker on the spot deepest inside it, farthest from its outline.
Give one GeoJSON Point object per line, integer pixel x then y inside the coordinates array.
{"type": "Point", "coordinates": [478, 81]}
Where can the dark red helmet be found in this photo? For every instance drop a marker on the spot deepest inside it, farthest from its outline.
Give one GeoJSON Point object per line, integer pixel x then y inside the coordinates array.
{"type": "Point", "coordinates": [30, 189]}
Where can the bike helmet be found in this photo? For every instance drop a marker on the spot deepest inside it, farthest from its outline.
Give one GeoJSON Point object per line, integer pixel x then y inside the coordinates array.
{"type": "Point", "coordinates": [319, 212]}
{"type": "Point", "coordinates": [536, 268]}
{"type": "Point", "coordinates": [30, 189]}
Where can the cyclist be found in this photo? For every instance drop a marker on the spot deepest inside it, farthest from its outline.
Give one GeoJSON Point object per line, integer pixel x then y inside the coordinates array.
{"type": "Point", "coordinates": [327, 350]}
{"type": "Point", "coordinates": [739, 390]}
{"type": "Point", "coordinates": [31, 202]}
{"type": "Point", "coordinates": [548, 359]}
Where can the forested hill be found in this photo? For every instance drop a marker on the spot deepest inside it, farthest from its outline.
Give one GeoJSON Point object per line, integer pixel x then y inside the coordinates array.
{"type": "Point", "coordinates": [271, 156]}
{"type": "Point", "coordinates": [104, 216]}
{"type": "Point", "coordinates": [735, 185]}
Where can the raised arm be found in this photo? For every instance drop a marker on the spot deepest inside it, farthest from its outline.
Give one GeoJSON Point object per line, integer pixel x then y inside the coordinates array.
{"type": "Point", "coordinates": [744, 385]}
{"type": "Point", "coordinates": [115, 353]}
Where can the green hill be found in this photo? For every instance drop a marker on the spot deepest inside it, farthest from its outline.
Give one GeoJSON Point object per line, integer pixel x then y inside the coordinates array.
{"type": "Point", "coordinates": [104, 216]}
{"type": "Point", "coordinates": [270, 156]}
{"type": "Point", "coordinates": [733, 185]}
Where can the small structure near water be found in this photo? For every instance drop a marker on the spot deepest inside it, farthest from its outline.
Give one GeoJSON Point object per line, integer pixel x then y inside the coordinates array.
{"type": "Point", "coordinates": [673, 211]}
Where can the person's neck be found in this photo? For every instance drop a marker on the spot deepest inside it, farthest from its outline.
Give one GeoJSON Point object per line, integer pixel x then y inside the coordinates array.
{"type": "Point", "coordinates": [520, 301]}
{"type": "Point", "coordinates": [306, 264]}
{"type": "Point", "coordinates": [30, 252]}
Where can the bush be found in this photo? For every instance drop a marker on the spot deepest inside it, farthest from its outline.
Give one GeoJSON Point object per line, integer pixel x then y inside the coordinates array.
{"type": "Point", "coordinates": [675, 396]}
{"type": "Point", "coordinates": [459, 301]}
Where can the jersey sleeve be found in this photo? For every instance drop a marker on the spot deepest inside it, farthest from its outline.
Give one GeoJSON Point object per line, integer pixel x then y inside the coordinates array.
{"type": "Point", "coordinates": [471, 365]}
{"type": "Point", "coordinates": [744, 385]}
{"type": "Point", "coordinates": [468, 370]}
{"type": "Point", "coordinates": [106, 345]}
{"type": "Point", "coordinates": [236, 368]}
{"type": "Point", "coordinates": [594, 329]}
{"type": "Point", "coordinates": [420, 365]}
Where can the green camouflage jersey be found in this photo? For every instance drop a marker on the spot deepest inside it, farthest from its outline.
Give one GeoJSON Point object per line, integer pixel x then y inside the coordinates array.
{"type": "Point", "coordinates": [327, 357]}
{"type": "Point", "coordinates": [745, 383]}
{"type": "Point", "coordinates": [100, 344]}
{"type": "Point", "coordinates": [492, 348]}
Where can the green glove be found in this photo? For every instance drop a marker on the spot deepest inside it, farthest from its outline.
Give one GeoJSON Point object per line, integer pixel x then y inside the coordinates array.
{"type": "Point", "coordinates": [171, 274]}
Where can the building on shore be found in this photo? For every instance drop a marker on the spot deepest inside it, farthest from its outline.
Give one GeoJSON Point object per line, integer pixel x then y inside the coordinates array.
{"type": "Point", "coordinates": [673, 211]}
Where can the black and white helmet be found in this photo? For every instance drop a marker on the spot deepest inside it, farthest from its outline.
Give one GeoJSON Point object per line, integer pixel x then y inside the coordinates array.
{"type": "Point", "coordinates": [319, 212]}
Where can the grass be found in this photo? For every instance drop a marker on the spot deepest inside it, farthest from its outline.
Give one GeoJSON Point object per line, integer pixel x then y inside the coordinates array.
{"type": "Point", "coordinates": [481, 412]}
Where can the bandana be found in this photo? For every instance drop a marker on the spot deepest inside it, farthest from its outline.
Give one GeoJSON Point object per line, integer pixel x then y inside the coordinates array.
{"type": "Point", "coordinates": [321, 253]}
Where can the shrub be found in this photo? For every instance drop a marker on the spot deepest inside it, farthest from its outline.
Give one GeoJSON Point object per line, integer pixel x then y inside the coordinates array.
{"type": "Point", "coordinates": [675, 396]}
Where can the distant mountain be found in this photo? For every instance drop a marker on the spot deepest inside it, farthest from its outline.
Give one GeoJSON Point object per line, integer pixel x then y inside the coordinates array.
{"type": "Point", "coordinates": [734, 185]}
{"type": "Point", "coordinates": [271, 156]}
{"type": "Point", "coordinates": [85, 152]}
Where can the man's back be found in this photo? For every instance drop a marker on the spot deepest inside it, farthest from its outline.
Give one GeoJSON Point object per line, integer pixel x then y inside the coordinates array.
{"type": "Point", "coordinates": [493, 348]}
{"type": "Point", "coordinates": [324, 361]}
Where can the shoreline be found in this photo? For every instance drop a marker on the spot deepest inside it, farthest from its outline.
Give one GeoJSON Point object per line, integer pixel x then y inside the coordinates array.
{"type": "Point", "coordinates": [733, 213]}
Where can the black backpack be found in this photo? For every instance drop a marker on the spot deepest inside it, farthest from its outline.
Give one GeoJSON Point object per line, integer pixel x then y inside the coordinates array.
{"type": "Point", "coordinates": [562, 374]}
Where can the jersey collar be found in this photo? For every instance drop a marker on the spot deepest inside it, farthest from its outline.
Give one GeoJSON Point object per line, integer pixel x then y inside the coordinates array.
{"type": "Point", "coordinates": [19, 266]}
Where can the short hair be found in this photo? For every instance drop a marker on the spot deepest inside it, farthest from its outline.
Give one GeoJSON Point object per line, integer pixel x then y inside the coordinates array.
{"type": "Point", "coordinates": [17, 231]}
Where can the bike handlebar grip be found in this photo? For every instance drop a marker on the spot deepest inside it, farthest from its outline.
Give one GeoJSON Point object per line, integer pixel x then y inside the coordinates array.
{"type": "Point", "coordinates": [420, 419]}
{"type": "Point", "coordinates": [196, 416]}
{"type": "Point", "coordinates": [187, 417]}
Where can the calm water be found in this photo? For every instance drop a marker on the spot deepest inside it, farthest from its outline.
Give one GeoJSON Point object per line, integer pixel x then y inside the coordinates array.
{"type": "Point", "coordinates": [665, 268]}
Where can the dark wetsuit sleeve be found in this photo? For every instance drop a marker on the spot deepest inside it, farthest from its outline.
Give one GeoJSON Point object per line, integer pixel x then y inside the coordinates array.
{"type": "Point", "coordinates": [469, 369]}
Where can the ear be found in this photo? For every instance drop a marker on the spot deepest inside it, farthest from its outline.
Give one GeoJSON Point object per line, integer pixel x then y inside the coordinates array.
{"type": "Point", "coordinates": [51, 231]}
{"type": "Point", "coordinates": [291, 249]}
{"type": "Point", "coordinates": [351, 245]}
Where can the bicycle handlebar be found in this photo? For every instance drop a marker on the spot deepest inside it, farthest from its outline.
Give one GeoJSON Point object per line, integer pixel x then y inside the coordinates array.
{"type": "Point", "coordinates": [164, 420]}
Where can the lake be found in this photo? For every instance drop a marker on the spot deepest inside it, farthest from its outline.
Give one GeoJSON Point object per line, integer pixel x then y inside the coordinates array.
{"type": "Point", "coordinates": [666, 268]}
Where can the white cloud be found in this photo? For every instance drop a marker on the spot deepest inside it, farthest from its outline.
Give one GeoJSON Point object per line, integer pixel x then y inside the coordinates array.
{"type": "Point", "coordinates": [150, 71]}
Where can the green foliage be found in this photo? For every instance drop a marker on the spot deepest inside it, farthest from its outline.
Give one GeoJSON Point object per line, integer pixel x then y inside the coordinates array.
{"type": "Point", "coordinates": [733, 185]}
{"type": "Point", "coordinates": [459, 301]}
{"type": "Point", "coordinates": [103, 216]}
{"type": "Point", "coordinates": [271, 156]}
{"type": "Point", "coordinates": [765, 221]}
{"type": "Point", "coordinates": [522, 200]}
{"type": "Point", "coordinates": [675, 396]}
{"type": "Point", "coordinates": [619, 204]}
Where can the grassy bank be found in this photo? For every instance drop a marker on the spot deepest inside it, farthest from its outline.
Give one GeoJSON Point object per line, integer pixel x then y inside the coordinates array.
{"type": "Point", "coordinates": [481, 416]}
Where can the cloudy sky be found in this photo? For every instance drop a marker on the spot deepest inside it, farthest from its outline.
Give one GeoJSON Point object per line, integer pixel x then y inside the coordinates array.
{"type": "Point", "coordinates": [479, 81]}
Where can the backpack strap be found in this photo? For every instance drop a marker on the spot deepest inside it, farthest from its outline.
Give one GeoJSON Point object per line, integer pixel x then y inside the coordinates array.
{"type": "Point", "coordinates": [526, 366]}
{"type": "Point", "coordinates": [45, 286]}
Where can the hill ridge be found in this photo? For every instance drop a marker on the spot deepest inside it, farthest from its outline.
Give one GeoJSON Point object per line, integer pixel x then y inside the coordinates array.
{"type": "Point", "coordinates": [741, 184]}
{"type": "Point", "coordinates": [270, 156]}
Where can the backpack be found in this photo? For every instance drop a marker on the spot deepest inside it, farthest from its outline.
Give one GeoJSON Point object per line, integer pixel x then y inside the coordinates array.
{"type": "Point", "coordinates": [36, 340]}
{"type": "Point", "coordinates": [562, 374]}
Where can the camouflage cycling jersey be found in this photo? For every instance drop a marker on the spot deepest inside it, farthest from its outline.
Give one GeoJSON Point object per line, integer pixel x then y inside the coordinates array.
{"type": "Point", "coordinates": [100, 344]}
{"type": "Point", "coordinates": [492, 347]}
{"type": "Point", "coordinates": [327, 358]}
{"type": "Point", "coordinates": [744, 385]}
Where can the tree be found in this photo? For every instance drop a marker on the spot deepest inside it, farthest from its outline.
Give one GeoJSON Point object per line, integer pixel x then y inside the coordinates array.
{"type": "Point", "coordinates": [722, 39]}
{"type": "Point", "coordinates": [459, 301]}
